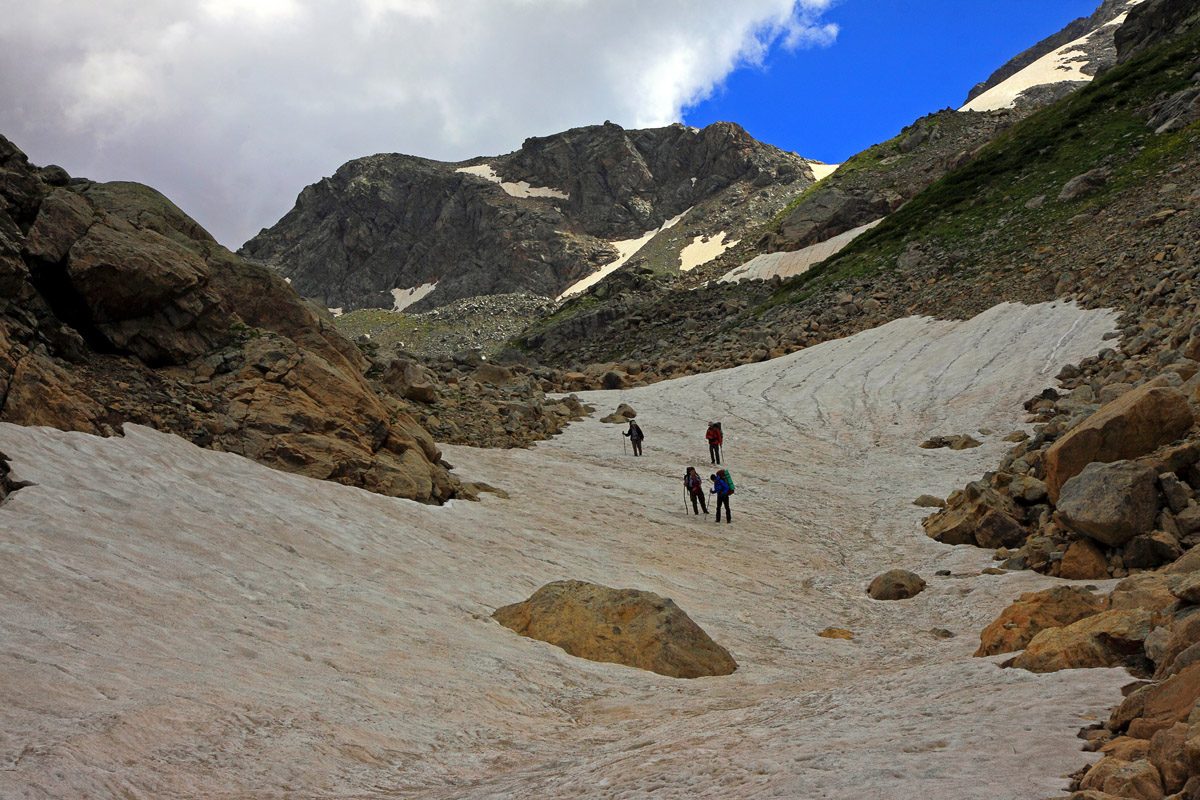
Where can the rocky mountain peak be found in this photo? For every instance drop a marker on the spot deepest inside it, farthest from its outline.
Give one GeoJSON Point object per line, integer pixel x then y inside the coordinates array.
{"type": "Point", "coordinates": [539, 219]}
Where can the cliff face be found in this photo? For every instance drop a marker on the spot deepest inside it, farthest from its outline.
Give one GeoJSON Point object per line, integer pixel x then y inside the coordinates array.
{"type": "Point", "coordinates": [116, 307]}
{"type": "Point", "coordinates": [1153, 22]}
{"type": "Point", "coordinates": [537, 220]}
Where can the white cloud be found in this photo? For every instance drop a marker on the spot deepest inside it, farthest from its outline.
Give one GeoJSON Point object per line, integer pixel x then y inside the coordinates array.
{"type": "Point", "coordinates": [230, 107]}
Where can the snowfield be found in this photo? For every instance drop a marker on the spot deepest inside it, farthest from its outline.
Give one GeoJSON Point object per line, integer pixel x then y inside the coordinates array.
{"type": "Point", "coordinates": [511, 188]}
{"type": "Point", "coordinates": [627, 249]}
{"type": "Point", "coordinates": [788, 263]}
{"type": "Point", "coordinates": [704, 249]}
{"type": "Point", "coordinates": [185, 623]}
{"type": "Point", "coordinates": [403, 298]}
{"type": "Point", "coordinates": [1064, 64]}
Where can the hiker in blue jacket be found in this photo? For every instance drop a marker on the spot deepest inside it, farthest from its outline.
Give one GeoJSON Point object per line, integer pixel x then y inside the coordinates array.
{"type": "Point", "coordinates": [722, 490]}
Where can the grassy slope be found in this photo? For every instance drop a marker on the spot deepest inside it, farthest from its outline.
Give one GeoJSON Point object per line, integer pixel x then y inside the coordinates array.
{"type": "Point", "coordinates": [983, 204]}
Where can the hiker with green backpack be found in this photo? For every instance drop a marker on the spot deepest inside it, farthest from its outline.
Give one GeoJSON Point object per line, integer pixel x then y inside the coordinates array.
{"type": "Point", "coordinates": [722, 488]}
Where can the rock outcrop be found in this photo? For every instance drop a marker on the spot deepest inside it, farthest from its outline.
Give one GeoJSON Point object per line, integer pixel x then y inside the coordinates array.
{"type": "Point", "coordinates": [1133, 425]}
{"type": "Point", "coordinates": [1108, 639]}
{"type": "Point", "coordinates": [622, 626]}
{"type": "Point", "coordinates": [8, 484]}
{"type": "Point", "coordinates": [1152, 23]}
{"type": "Point", "coordinates": [1111, 503]}
{"type": "Point", "coordinates": [978, 515]}
{"type": "Point", "coordinates": [1033, 613]}
{"type": "Point", "coordinates": [115, 306]}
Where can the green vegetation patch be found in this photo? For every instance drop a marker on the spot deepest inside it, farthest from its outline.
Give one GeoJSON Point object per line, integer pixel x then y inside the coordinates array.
{"type": "Point", "coordinates": [387, 329]}
{"type": "Point", "coordinates": [984, 204]}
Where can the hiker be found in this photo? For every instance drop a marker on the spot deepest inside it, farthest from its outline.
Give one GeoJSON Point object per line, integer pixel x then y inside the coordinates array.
{"type": "Point", "coordinates": [635, 437]}
{"type": "Point", "coordinates": [722, 488]}
{"type": "Point", "coordinates": [695, 489]}
{"type": "Point", "coordinates": [713, 434]}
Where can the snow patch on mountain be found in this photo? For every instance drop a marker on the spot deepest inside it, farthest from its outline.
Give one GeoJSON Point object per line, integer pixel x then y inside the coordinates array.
{"type": "Point", "coordinates": [627, 248]}
{"type": "Point", "coordinates": [406, 297]}
{"type": "Point", "coordinates": [1066, 64]}
{"type": "Point", "coordinates": [821, 170]}
{"type": "Point", "coordinates": [517, 189]}
{"type": "Point", "coordinates": [704, 249]}
{"type": "Point", "coordinates": [787, 264]}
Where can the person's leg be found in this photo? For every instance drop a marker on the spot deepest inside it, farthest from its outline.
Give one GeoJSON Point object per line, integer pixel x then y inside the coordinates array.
{"type": "Point", "coordinates": [695, 508]}
{"type": "Point", "coordinates": [723, 501]}
{"type": "Point", "coordinates": [703, 504]}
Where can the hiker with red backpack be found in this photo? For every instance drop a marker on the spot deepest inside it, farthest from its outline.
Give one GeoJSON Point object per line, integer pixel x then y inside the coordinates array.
{"type": "Point", "coordinates": [722, 488]}
{"type": "Point", "coordinates": [695, 490]}
{"type": "Point", "coordinates": [713, 434]}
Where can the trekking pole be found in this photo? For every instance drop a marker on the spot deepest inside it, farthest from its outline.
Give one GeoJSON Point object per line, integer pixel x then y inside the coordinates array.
{"type": "Point", "coordinates": [624, 449]}
{"type": "Point", "coordinates": [686, 492]}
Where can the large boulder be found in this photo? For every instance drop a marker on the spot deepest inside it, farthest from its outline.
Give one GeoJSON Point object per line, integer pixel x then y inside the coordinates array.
{"type": "Point", "coordinates": [977, 515]}
{"type": "Point", "coordinates": [411, 381]}
{"type": "Point", "coordinates": [1169, 756]}
{"type": "Point", "coordinates": [1146, 590]}
{"type": "Point", "coordinates": [896, 584]}
{"type": "Point", "coordinates": [1136, 423]}
{"type": "Point", "coordinates": [623, 626]}
{"type": "Point", "coordinates": [1083, 561]}
{"type": "Point", "coordinates": [1107, 639]}
{"type": "Point", "coordinates": [1115, 778]}
{"type": "Point", "coordinates": [1111, 503]}
{"type": "Point", "coordinates": [1035, 612]}
{"type": "Point", "coordinates": [493, 374]}
{"type": "Point", "coordinates": [1182, 648]}
{"type": "Point", "coordinates": [623, 414]}
{"type": "Point", "coordinates": [1185, 586]}
{"type": "Point", "coordinates": [1158, 706]}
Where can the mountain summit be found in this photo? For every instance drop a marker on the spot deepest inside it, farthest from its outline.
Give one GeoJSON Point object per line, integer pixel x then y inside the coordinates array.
{"type": "Point", "coordinates": [393, 230]}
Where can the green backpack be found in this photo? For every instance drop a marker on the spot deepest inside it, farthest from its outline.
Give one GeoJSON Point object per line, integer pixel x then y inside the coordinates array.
{"type": "Point", "coordinates": [728, 479]}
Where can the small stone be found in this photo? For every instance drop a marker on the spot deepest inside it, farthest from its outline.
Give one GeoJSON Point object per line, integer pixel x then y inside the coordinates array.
{"type": "Point", "coordinates": [836, 633]}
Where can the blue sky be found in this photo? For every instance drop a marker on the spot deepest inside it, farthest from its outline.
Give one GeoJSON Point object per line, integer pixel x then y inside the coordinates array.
{"type": "Point", "coordinates": [231, 107]}
{"type": "Point", "coordinates": [893, 61]}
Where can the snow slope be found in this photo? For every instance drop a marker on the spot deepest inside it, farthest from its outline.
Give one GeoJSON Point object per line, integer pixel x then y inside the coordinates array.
{"type": "Point", "coordinates": [1064, 64]}
{"type": "Point", "coordinates": [184, 623]}
{"type": "Point", "coordinates": [403, 298]}
{"type": "Point", "coordinates": [513, 189]}
{"type": "Point", "coordinates": [704, 249]}
{"type": "Point", "coordinates": [627, 248]}
{"type": "Point", "coordinates": [788, 263]}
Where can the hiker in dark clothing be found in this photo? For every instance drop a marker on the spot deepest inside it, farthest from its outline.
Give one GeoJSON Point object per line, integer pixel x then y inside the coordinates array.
{"type": "Point", "coordinates": [722, 490]}
{"type": "Point", "coordinates": [635, 437]}
{"type": "Point", "coordinates": [713, 434]}
{"type": "Point", "coordinates": [695, 489]}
